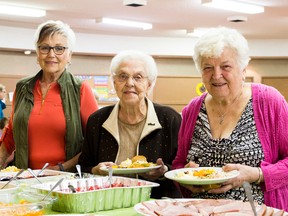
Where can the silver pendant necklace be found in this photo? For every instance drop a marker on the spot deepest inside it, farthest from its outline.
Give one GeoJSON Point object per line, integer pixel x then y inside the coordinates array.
{"type": "Point", "coordinates": [221, 118]}
{"type": "Point", "coordinates": [222, 115]}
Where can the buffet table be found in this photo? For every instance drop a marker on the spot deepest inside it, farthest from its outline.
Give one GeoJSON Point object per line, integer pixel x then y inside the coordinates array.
{"type": "Point", "coordinates": [115, 212]}
{"type": "Point", "coordinates": [87, 195]}
{"type": "Point", "coordinates": [27, 184]}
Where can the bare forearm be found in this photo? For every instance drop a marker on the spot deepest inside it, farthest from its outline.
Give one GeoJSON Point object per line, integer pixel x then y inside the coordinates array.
{"type": "Point", "coordinates": [71, 164]}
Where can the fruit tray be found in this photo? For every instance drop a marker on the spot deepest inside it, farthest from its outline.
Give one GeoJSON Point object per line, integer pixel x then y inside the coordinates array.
{"type": "Point", "coordinates": [95, 194]}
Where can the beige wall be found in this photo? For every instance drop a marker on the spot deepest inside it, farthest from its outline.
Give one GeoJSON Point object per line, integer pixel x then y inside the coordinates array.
{"type": "Point", "coordinates": [17, 64]}
{"type": "Point", "coordinates": [270, 67]}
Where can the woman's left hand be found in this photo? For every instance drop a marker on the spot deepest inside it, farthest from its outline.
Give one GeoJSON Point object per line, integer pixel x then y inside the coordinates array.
{"type": "Point", "coordinates": [247, 173]}
{"type": "Point", "coordinates": [155, 173]}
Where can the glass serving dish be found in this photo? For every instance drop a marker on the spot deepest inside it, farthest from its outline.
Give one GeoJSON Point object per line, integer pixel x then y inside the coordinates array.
{"type": "Point", "coordinates": [27, 204]}
{"type": "Point", "coordinates": [9, 192]}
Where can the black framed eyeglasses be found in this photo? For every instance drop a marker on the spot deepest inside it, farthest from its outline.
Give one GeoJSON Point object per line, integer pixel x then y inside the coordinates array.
{"type": "Point", "coordinates": [58, 50]}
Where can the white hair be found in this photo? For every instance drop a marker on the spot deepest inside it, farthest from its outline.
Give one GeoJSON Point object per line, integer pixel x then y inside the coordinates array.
{"type": "Point", "coordinates": [149, 64]}
{"type": "Point", "coordinates": [213, 42]}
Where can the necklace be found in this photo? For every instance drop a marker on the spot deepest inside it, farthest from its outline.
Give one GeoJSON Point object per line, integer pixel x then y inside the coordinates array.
{"type": "Point", "coordinates": [222, 115]}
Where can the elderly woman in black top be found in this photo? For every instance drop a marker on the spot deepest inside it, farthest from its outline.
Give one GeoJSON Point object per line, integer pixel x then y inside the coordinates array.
{"type": "Point", "coordinates": [135, 125]}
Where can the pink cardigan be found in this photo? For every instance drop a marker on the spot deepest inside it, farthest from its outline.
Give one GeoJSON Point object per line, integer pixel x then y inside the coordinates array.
{"type": "Point", "coordinates": [271, 117]}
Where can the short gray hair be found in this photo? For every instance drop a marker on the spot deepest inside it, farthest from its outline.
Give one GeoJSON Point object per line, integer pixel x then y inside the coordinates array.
{"type": "Point", "coordinates": [149, 62]}
{"type": "Point", "coordinates": [50, 28]}
{"type": "Point", "coordinates": [213, 42]}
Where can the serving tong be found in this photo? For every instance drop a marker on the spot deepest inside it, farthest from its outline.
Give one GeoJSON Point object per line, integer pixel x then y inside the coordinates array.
{"type": "Point", "coordinates": [78, 167]}
{"type": "Point", "coordinates": [72, 188]}
{"type": "Point", "coordinates": [248, 192]}
{"type": "Point", "coordinates": [13, 178]}
{"type": "Point", "coordinates": [34, 175]}
{"type": "Point", "coordinates": [43, 168]}
{"type": "Point", "coordinates": [110, 173]}
{"type": "Point", "coordinates": [51, 190]}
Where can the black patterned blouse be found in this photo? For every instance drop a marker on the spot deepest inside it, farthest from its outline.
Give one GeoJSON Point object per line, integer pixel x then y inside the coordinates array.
{"type": "Point", "coordinates": [243, 147]}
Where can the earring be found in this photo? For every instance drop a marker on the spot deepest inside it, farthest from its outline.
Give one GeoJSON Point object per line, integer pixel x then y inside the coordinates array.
{"type": "Point", "coordinates": [68, 64]}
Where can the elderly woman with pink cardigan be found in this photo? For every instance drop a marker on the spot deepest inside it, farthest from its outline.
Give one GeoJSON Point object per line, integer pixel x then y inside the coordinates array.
{"type": "Point", "coordinates": [235, 125]}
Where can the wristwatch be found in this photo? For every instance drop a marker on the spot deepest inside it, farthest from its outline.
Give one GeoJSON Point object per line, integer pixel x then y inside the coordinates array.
{"type": "Point", "coordinates": [61, 167]}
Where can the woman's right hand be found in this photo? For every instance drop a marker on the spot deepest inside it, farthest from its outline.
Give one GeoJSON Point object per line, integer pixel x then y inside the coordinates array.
{"type": "Point", "coordinates": [97, 171]}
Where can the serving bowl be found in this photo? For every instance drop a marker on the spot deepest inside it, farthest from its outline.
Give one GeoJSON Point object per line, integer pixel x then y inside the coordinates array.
{"type": "Point", "coordinates": [27, 204]}
{"type": "Point", "coordinates": [9, 192]}
{"type": "Point", "coordinates": [95, 194]}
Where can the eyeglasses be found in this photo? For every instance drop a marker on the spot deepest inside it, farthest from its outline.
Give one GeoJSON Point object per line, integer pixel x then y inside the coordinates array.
{"type": "Point", "coordinates": [136, 78]}
{"type": "Point", "coordinates": [58, 50]}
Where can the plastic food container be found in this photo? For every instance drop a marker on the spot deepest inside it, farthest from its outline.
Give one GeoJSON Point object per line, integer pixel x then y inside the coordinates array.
{"type": "Point", "coordinates": [27, 204]}
{"type": "Point", "coordinates": [9, 193]}
{"type": "Point", "coordinates": [95, 194]}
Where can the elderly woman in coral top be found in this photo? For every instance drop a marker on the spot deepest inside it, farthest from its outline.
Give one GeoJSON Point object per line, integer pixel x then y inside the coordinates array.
{"type": "Point", "coordinates": [50, 109]}
{"type": "Point", "coordinates": [235, 125]}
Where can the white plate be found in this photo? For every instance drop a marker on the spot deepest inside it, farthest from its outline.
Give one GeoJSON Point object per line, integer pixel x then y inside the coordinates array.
{"type": "Point", "coordinates": [142, 209]}
{"type": "Point", "coordinates": [27, 175]}
{"type": "Point", "coordinates": [197, 181]}
{"type": "Point", "coordinates": [131, 170]}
